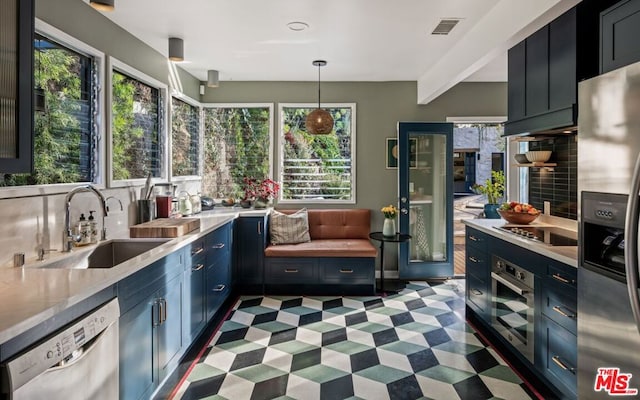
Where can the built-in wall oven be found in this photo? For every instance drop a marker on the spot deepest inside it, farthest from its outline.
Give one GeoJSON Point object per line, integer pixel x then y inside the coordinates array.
{"type": "Point", "coordinates": [512, 304]}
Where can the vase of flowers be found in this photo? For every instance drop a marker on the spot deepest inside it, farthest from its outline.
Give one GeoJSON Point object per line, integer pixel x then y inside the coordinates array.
{"type": "Point", "coordinates": [389, 226]}
{"type": "Point", "coordinates": [493, 189]}
{"type": "Point", "coordinates": [261, 192]}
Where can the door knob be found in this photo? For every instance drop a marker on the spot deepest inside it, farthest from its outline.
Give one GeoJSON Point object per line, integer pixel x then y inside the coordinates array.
{"type": "Point", "coordinates": [403, 200]}
{"type": "Point", "coordinates": [404, 210]}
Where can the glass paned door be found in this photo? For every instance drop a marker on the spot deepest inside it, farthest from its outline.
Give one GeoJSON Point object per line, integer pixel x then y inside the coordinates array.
{"type": "Point", "coordinates": [425, 168]}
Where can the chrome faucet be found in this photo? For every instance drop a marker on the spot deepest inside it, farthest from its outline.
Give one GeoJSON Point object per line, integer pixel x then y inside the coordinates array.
{"type": "Point", "coordinates": [69, 238]}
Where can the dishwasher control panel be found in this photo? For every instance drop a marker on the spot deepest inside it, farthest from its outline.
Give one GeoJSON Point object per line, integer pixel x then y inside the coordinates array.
{"type": "Point", "coordinates": [62, 346]}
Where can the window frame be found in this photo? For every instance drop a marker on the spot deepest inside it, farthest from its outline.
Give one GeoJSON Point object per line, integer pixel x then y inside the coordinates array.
{"type": "Point", "coordinates": [119, 66]}
{"type": "Point", "coordinates": [271, 108]}
{"type": "Point", "coordinates": [66, 40]}
{"type": "Point", "coordinates": [280, 159]}
{"type": "Point", "coordinates": [195, 103]}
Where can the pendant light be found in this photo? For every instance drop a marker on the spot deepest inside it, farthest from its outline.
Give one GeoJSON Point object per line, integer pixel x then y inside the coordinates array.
{"type": "Point", "coordinates": [319, 121]}
{"type": "Point", "coordinates": [39, 99]}
{"type": "Point", "coordinates": [103, 5]}
{"type": "Point", "coordinates": [176, 49]}
{"type": "Point", "coordinates": [212, 78]}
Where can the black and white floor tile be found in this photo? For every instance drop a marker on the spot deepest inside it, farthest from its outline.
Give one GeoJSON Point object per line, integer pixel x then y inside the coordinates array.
{"type": "Point", "coordinates": [413, 345]}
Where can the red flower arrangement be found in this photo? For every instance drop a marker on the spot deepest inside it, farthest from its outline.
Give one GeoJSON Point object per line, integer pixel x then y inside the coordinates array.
{"type": "Point", "coordinates": [265, 189]}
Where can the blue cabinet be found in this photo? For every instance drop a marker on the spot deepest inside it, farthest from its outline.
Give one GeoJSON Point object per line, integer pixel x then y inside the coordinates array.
{"type": "Point", "coordinates": [478, 273]}
{"type": "Point", "coordinates": [251, 240]}
{"type": "Point", "coordinates": [218, 271]}
{"type": "Point", "coordinates": [619, 32]}
{"type": "Point", "coordinates": [195, 315]}
{"type": "Point", "coordinates": [151, 340]}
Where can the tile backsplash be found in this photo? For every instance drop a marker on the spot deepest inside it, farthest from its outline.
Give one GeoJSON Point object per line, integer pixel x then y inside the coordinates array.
{"type": "Point", "coordinates": [560, 186]}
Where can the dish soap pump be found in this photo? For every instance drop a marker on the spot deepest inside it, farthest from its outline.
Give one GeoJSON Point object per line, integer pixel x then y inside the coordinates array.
{"type": "Point", "coordinates": [93, 228]}
{"type": "Point", "coordinates": [84, 231]}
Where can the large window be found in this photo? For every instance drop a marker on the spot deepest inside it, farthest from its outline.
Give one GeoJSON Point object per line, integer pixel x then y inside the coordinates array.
{"type": "Point", "coordinates": [137, 124]}
{"type": "Point", "coordinates": [237, 144]}
{"type": "Point", "coordinates": [317, 168]}
{"type": "Point", "coordinates": [65, 142]}
{"type": "Point", "coordinates": [185, 138]}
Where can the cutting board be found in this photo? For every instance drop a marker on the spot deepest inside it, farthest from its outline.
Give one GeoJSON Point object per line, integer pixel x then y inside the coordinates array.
{"type": "Point", "coordinates": [164, 228]}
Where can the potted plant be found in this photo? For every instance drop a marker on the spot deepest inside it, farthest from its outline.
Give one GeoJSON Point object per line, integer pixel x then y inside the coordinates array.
{"type": "Point", "coordinates": [260, 191]}
{"type": "Point", "coordinates": [493, 189]}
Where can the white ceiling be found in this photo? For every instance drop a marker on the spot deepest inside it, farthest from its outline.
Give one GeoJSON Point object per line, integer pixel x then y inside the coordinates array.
{"type": "Point", "coordinates": [362, 40]}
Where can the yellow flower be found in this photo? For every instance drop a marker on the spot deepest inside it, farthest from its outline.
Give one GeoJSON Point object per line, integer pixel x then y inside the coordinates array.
{"type": "Point", "coordinates": [389, 211]}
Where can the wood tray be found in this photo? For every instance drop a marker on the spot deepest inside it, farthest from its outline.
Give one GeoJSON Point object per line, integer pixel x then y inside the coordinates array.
{"type": "Point", "coordinates": [164, 228]}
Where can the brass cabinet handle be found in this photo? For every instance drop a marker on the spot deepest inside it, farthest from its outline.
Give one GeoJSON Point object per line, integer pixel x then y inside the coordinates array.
{"type": "Point", "coordinates": [561, 364]}
{"type": "Point", "coordinates": [200, 250]}
{"type": "Point", "coordinates": [346, 271]}
{"type": "Point", "coordinates": [219, 288]}
{"type": "Point", "coordinates": [291, 270]}
{"type": "Point", "coordinates": [562, 279]}
{"type": "Point", "coordinates": [198, 267]}
{"type": "Point", "coordinates": [218, 246]}
{"type": "Point", "coordinates": [473, 259]}
{"type": "Point", "coordinates": [476, 292]}
{"type": "Point", "coordinates": [473, 238]}
{"type": "Point", "coordinates": [563, 313]}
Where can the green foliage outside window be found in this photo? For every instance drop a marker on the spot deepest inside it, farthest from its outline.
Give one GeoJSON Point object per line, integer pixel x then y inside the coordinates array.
{"type": "Point", "coordinates": [185, 134]}
{"type": "Point", "coordinates": [236, 145]}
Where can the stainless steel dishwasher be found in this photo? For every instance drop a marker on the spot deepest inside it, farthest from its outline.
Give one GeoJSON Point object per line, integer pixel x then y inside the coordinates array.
{"type": "Point", "coordinates": [78, 362]}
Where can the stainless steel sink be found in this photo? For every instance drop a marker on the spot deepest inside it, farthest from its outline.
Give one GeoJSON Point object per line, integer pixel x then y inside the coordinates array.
{"type": "Point", "coordinates": [106, 255]}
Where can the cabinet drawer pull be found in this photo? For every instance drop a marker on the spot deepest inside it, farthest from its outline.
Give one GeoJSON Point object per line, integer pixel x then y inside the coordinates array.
{"type": "Point", "coordinates": [473, 238]}
{"type": "Point", "coordinates": [195, 253]}
{"type": "Point", "coordinates": [218, 288]}
{"type": "Point", "coordinates": [259, 228]}
{"type": "Point", "coordinates": [559, 363]}
{"type": "Point", "coordinates": [198, 267]}
{"type": "Point", "coordinates": [156, 320]}
{"type": "Point", "coordinates": [476, 292]}
{"type": "Point", "coordinates": [218, 246]}
{"type": "Point", "coordinates": [473, 259]}
{"type": "Point", "coordinates": [291, 270]}
{"type": "Point", "coordinates": [562, 279]}
{"type": "Point", "coordinates": [563, 313]}
{"type": "Point", "coordinates": [346, 271]}
{"type": "Point", "coordinates": [164, 310]}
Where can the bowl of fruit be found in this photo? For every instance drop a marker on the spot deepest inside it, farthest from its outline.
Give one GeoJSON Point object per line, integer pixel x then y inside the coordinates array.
{"type": "Point", "coordinates": [518, 213]}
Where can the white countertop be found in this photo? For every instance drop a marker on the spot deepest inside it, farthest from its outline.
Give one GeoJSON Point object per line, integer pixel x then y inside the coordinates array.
{"type": "Point", "coordinates": [30, 295]}
{"type": "Point", "coordinates": [564, 254]}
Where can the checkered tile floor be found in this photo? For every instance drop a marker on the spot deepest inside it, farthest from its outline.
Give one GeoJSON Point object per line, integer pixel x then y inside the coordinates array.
{"type": "Point", "coordinates": [412, 345]}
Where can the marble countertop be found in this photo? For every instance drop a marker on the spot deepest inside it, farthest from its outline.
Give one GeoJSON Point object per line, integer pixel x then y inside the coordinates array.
{"type": "Point", "coordinates": [564, 254]}
{"type": "Point", "coordinates": [32, 294]}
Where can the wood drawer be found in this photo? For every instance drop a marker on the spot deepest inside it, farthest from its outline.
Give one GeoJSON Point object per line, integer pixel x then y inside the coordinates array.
{"type": "Point", "coordinates": [346, 270]}
{"type": "Point", "coordinates": [561, 356]}
{"type": "Point", "coordinates": [561, 306]}
{"type": "Point", "coordinates": [282, 271]}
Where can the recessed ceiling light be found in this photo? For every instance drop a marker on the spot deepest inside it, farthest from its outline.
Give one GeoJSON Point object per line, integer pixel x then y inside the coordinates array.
{"type": "Point", "coordinates": [297, 26]}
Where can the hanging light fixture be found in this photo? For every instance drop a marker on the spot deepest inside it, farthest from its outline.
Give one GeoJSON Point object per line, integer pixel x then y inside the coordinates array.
{"type": "Point", "coordinates": [39, 99]}
{"type": "Point", "coordinates": [212, 78]}
{"type": "Point", "coordinates": [176, 49]}
{"type": "Point", "coordinates": [319, 121]}
{"type": "Point", "coordinates": [103, 5]}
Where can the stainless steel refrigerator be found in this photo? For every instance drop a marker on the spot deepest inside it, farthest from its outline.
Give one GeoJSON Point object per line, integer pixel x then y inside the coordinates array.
{"type": "Point", "coordinates": [608, 186]}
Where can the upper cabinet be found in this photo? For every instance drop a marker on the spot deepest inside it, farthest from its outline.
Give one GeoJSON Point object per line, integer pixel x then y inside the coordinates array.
{"type": "Point", "coordinates": [16, 83]}
{"type": "Point", "coordinates": [620, 29]}
{"type": "Point", "coordinates": [545, 68]}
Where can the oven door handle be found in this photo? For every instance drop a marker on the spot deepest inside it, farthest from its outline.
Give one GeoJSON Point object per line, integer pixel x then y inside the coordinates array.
{"type": "Point", "coordinates": [521, 290]}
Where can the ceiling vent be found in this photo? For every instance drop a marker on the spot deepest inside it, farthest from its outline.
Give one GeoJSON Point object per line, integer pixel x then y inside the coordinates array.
{"type": "Point", "coordinates": [445, 26]}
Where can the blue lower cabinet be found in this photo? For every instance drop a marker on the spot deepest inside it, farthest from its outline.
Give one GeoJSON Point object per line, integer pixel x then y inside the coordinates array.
{"type": "Point", "coordinates": [558, 360]}
{"type": "Point", "coordinates": [195, 311]}
{"type": "Point", "coordinates": [151, 340]}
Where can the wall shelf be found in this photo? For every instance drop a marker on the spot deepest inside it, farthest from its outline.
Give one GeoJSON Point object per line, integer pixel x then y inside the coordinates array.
{"type": "Point", "coordinates": [545, 165]}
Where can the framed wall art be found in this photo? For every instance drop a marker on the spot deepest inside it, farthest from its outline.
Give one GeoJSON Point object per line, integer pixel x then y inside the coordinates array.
{"type": "Point", "coordinates": [392, 153]}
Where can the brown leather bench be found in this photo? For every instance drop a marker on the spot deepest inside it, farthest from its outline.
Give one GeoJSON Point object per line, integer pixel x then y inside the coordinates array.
{"type": "Point", "coordinates": [339, 257]}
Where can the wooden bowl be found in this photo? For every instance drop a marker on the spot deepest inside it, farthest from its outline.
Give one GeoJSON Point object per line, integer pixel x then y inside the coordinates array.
{"type": "Point", "coordinates": [518, 218]}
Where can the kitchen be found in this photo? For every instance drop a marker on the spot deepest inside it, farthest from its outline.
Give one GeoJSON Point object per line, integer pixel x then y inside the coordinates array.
{"type": "Point", "coordinates": [45, 229]}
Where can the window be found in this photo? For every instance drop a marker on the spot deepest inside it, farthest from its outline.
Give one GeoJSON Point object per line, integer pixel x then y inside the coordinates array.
{"type": "Point", "coordinates": [317, 168]}
{"type": "Point", "coordinates": [185, 138]}
{"type": "Point", "coordinates": [237, 144]}
{"type": "Point", "coordinates": [65, 127]}
{"type": "Point", "coordinates": [137, 124]}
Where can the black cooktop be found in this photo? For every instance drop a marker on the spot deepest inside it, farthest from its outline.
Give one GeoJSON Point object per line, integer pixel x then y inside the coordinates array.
{"type": "Point", "coordinates": [549, 235]}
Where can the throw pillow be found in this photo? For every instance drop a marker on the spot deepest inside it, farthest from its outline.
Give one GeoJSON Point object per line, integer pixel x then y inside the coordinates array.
{"type": "Point", "coordinates": [289, 229]}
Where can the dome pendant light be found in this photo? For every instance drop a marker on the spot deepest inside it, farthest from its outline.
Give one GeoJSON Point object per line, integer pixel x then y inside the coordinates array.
{"type": "Point", "coordinates": [319, 121]}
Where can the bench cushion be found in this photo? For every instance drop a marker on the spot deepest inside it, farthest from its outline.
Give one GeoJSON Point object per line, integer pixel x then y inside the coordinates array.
{"type": "Point", "coordinates": [324, 248]}
{"type": "Point", "coordinates": [350, 223]}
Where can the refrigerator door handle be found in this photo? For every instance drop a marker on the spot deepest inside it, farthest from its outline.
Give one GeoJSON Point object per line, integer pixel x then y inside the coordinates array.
{"type": "Point", "coordinates": [631, 243]}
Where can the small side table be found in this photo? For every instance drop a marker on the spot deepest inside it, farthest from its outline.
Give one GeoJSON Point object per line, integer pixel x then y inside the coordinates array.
{"type": "Point", "coordinates": [397, 238]}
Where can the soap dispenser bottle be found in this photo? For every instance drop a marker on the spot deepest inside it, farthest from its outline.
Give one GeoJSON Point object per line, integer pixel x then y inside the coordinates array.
{"type": "Point", "coordinates": [84, 231]}
{"type": "Point", "coordinates": [93, 228]}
